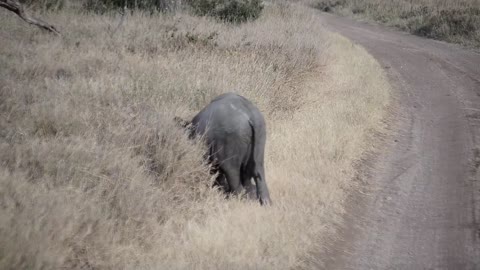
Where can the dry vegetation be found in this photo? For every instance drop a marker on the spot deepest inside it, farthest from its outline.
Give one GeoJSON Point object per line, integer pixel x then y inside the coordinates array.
{"type": "Point", "coordinates": [454, 21]}
{"type": "Point", "coordinates": [95, 175]}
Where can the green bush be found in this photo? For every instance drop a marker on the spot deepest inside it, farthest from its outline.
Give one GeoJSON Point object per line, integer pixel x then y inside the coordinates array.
{"type": "Point", "coordinates": [329, 5]}
{"type": "Point", "coordinates": [44, 4]}
{"type": "Point", "coordinates": [448, 24]}
{"type": "Point", "coordinates": [235, 11]}
{"type": "Point", "coordinates": [151, 5]}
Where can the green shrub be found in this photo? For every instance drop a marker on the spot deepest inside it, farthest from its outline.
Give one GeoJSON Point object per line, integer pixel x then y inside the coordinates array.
{"type": "Point", "coordinates": [452, 21]}
{"type": "Point", "coordinates": [329, 5]}
{"type": "Point", "coordinates": [448, 25]}
{"type": "Point", "coordinates": [45, 4]}
{"type": "Point", "coordinates": [151, 5]}
{"type": "Point", "coordinates": [235, 11]}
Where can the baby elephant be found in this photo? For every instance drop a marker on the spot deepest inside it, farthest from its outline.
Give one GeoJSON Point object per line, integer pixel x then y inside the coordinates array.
{"type": "Point", "coordinates": [235, 132]}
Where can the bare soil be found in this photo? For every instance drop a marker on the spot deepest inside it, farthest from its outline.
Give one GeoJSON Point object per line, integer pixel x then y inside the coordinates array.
{"type": "Point", "coordinates": [422, 207]}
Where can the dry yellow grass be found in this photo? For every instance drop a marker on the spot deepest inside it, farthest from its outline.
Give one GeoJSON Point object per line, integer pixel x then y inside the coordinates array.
{"type": "Point", "coordinates": [95, 174]}
{"type": "Point", "coordinates": [454, 21]}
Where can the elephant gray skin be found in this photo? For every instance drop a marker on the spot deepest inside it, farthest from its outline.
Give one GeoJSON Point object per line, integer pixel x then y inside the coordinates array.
{"type": "Point", "coordinates": [234, 130]}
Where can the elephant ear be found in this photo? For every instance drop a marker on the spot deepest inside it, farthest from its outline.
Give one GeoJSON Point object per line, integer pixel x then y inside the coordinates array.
{"type": "Point", "coordinates": [182, 123]}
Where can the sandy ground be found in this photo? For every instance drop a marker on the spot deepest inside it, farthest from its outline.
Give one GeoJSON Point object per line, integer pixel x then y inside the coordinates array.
{"type": "Point", "coordinates": [422, 209]}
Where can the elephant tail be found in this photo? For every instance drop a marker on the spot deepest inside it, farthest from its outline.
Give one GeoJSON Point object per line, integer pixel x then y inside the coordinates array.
{"type": "Point", "coordinates": [252, 150]}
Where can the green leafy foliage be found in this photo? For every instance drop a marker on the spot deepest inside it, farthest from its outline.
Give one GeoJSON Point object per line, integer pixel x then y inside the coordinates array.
{"type": "Point", "coordinates": [453, 21]}
{"type": "Point", "coordinates": [235, 11]}
{"type": "Point", "coordinates": [45, 4]}
{"type": "Point", "coordinates": [106, 5]}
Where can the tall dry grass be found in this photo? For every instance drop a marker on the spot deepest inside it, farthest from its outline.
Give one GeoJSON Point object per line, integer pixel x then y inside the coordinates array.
{"type": "Point", "coordinates": [453, 21]}
{"type": "Point", "coordinates": [95, 174]}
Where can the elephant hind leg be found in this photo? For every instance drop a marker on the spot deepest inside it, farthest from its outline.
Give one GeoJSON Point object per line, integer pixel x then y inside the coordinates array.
{"type": "Point", "coordinates": [233, 180]}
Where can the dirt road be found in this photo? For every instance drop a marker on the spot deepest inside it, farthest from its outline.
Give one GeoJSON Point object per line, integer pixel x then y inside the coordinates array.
{"type": "Point", "coordinates": [424, 209]}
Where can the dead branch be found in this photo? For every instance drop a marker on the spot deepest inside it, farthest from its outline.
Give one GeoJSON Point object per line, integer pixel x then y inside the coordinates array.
{"type": "Point", "coordinates": [18, 9]}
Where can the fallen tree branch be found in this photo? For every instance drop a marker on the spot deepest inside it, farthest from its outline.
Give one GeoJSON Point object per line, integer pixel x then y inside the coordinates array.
{"type": "Point", "coordinates": [17, 8]}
